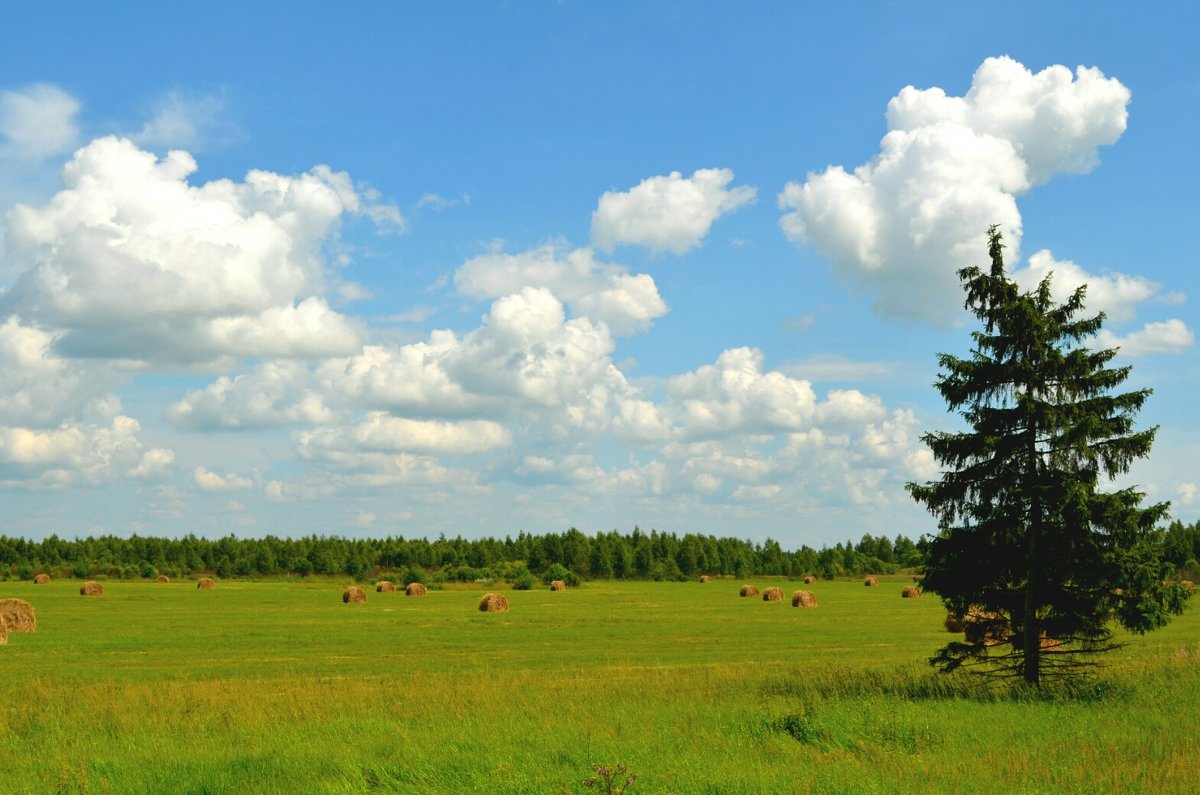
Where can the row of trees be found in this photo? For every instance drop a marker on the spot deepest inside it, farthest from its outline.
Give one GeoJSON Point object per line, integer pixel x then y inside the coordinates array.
{"type": "Point", "coordinates": [613, 555]}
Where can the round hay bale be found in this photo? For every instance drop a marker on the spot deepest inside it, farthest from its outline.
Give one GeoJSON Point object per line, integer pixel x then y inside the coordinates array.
{"type": "Point", "coordinates": [1191, 586]}
{"type": "Point", "coordinates": [911, 592]}
{"type": "Point", "coordinates": [705, 578]}
{"type": "Point", "coordinates": [3, 636]}
{"type": "Point", "coordinates": [41, 579]}
{"type": "Point", "coordinates": [163, 578]}
{"type": "Point", "coordinates": [493, 603]}
{"type": "Point", "coordinates": [17, 615]}
{"type": "Point", "coordinates": [91, 588]}
{"type": "Point", "coordinates": [558, 585]}
{"type": "Point", "coordinates": [384, 586]}
{"type": "Point", "coordinates": [772, 594]}
{"type": "Point", "coordinates": [953, 623]}
{"type": "Point", "coordinates": [415, 589]}
{"type": "Point", "coordinates": [748, 590]}
{"type": "Point", "coordinates": [810, 579]}
{"type": "Point", "coordinates": [205, 584]}
{"type": "Point", "coordinates": [986, 627]}
{"type": "Point", "coordinates": [804, 599]}
{"type": "Point", "coordinates": [354, 595]}
{"type": "Point", "coordinates": [871, 581]}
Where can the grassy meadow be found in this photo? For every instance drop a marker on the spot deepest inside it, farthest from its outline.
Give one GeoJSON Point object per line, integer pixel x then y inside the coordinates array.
{"type": "Point", "coordinates": [280, 687]}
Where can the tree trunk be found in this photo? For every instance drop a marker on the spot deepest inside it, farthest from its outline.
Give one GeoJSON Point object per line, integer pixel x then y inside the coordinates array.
{"type": "Point", "coordinates": [1031, 639]}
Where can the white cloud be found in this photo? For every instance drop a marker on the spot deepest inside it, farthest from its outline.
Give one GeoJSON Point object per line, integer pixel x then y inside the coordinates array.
{"type": "Point", "coordinates": [187, 121]}
{"type": "Point", "coordinates": [1115, 294]}
{"type": "Point", "coordinates": [129, 261]}
{"type": "Point", "coordinates": [1186, 492]}
{"type": "Point", "coordinates": [37, 122]}
{"type": "Point", "coordinates": [606, 293]}
{"type": "Point", "coordinates": [525, 358]}
{"type": "Point", "coordinates": [380, 432]}
{"type": "Point", "coordinates": [1168, 336]}
{"type": "Point", "coordinates": [901, 225]}
{"type": "Point", "coordinates": [735, 396]}
{"type": "Point", "coordinates": [670, 213]}
{"type": "Point", "coordinates": [274, 394]}
{"type": "Point", "coordinates": [39, 388]}
{"type": "Point", "coordinates": [211, 481]}
{"type": "Point", "coordinates": [78, 453]}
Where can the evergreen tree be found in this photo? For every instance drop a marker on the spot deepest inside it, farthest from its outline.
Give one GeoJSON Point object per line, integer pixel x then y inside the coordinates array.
{"type": "Point", "coordinates": [1029, 547]}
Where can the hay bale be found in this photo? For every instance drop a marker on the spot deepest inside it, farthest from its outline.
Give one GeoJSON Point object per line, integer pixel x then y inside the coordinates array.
{"type": "Point", "coordinates": [558, 585]}
{"type": "Point", "coordinates": [91, 588]}
{"type": "Point", "coordinates": [493, 603]}
{"type": "Point", "coordinates": [953, 623]}
{"type": "Point", "coordinates": [1188, 584]}
{"type": "Point", "coordinates": [810, 579]}
{"type": "Point", "coordinates": [871, 581]}
{"type": "Point", "coordinates": [983, 626]}
{"type": "Point", "coordinates": [41, 579]}
{"type": "Point", "coordinates": [205, 584]}
{"type": "Point", "coordinates": [748, 590]}
{"type": "Point", "coordinates": [911, 592]}
{"type": "Point", "coordinates": [705, 578]}
{"type": "Point", "coordinates": [163, 578]}
{"type": "Point", "coordinates": [772, 594]}
{"type": "Point", "coordinates": [354, 595]}
{"type": "Point", "coordinates": [415, 589]}
{"type": "Point", "coordinates": [804, 599]}
{"type": "Point", "coordinates": [385, 586]}
{"type": "Point", "coordinates": [17, 615]}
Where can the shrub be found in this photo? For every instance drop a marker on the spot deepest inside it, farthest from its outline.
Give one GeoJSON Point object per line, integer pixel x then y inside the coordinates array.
{"type": "Point", "coordinates": [557, 571]}
{"type": "Point", "coordinates": [524, 582]}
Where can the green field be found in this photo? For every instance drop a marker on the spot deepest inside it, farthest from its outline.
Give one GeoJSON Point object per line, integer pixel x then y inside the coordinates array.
{"type": "Point", "coordinates": [279, 687]}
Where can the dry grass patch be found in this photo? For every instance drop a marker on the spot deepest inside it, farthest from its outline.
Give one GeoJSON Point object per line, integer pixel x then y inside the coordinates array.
{"type": "Point", "coordinates": [205, 584]}
{"type": "Point", "coordinates": [748, 590]}
{"type": "Point", "coordinates": [354, 595]}
{"type": "Point", "coordinates": [804, 599]}
{"type": "Point", "coordinates": [91, 588]}
{"type": "Point", "coordinates": [415, 589]}
{"type": "Point", "coordinates": [17, 615]}
{"type": "Point", "coordinates": [385, 586]}
{"type": "Point", "coordinates": [772, 594]}
{"type": "Point", "coordinates": [41, 579]}
{"type": "Point", "coordinates": [493, 603]}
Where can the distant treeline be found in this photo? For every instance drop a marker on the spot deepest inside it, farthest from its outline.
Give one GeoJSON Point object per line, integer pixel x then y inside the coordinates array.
{"type": "Point", "coordinates": [614, 555]}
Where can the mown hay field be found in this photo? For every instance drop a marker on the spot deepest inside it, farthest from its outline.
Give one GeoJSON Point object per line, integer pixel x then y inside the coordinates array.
{"type": "Point", "coordinates": [280, 687]}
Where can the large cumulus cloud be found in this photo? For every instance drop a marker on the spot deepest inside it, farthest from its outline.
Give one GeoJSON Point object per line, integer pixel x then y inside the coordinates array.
{"type": "Point", "coordinates": [900, 225]}
{"type": "Point", "coordinates": [130, 261]}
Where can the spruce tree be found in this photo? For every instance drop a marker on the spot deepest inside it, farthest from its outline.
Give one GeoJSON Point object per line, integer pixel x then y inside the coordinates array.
{"type": "Point", "coordinates": [1031, 554]}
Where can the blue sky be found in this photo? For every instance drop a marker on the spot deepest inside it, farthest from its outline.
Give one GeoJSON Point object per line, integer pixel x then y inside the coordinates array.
{"type": "Point", "coordinates": [481, 268]}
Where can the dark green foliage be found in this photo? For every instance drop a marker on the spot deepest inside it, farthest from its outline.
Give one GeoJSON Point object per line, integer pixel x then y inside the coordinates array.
{"type": "Point", "coordinates": [557, 571]}
{"type": "Point", "coordinates": [572, 555]}
{"type": "Point", "coordinates": [1024, 529]}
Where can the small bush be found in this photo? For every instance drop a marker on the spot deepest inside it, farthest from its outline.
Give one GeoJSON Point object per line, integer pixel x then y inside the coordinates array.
{"type": "Point", "coordinates": [557, 571]}
{"type": "Point", "coordinates": [524, 582]}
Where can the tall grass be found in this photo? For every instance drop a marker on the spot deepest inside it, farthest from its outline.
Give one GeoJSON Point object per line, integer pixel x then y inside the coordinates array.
{"type": "Point", "coordinates": [279, 687]}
